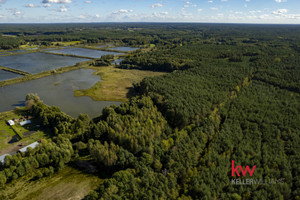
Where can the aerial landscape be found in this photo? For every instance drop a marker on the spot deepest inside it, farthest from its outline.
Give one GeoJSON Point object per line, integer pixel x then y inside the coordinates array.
{"type": "Point", "coordinates": [149, 100]}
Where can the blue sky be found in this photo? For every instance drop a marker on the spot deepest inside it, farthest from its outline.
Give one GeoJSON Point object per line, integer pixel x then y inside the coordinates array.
{"type": "Point", "coordinates": [227, 11]}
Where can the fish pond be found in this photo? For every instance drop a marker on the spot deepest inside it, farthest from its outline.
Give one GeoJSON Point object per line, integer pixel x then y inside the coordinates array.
{"type": "Point", "coordinates": [38, 62]}
{"type": "Point", "coordinates": [57, 90]}
{"type": "Point", "coordinates": [5, 75]}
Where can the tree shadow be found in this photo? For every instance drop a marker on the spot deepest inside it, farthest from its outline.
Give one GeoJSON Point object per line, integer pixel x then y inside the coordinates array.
{"type": "Point", "coordinates": [13, 139]}
{"type": "Point", "coordinates": [91, 168]}
{"type": "Point", "coordinates": [131, 92]}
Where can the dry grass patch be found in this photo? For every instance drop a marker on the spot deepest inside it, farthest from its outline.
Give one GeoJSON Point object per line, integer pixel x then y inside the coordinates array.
{"type": "Point", "coordinates": [115, 84]}
{"type": "Point", "coordinates": [69, 183]}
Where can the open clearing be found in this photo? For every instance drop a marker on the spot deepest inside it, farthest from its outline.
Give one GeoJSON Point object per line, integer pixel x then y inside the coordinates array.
{"type": "Point", "coordinates": [7, 134]}
{"type": "Point", "coordinates": [67, 184]}
{"type": "Point", "coordinates": [115, 84]}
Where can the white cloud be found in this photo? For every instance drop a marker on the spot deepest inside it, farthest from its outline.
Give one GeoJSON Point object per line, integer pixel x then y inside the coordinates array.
{"type": "Point", "coordinates": [210, 1]}
{"type": "Point", "coordinates": [31, 5]}
{"type": "Point", "coordinates": [2, 16]}
{"type": "Point", "coordinates": [46, 5]}
{"type": "Point", "coordinates": [88, 1]}
{"type": "Point", "coordinates": [122, 11]}
{"type": "Point", "coordinates": [280, 1]}
{"type": "Point", "coordinates": [213, 8]}
{"type": "Point", "coordinates": [81, 17]}
{"type": "Point", "coordinates": [63, 9]}
{"type": "Point", "coordinates": [17, 13]}
{"type": "Point", "coordinates": [186, 15]}
{"type": "Point", "coordinates": [160, 15]}
{"type": "Point", "coordinates": [293, 16]}
{"type": "Point", "coordinates": [156, 5]}
{"type": "Point", "coordinates": [57, 1]}
{"type": "Point", "coordinates": [224, 0]}
{"type": "Point", "coordinates": [265, 16]}
{"type": "Point", "coordinates": [247, 0]}
{"type": "Point", "coordinates": [253, 12]}
{"type": "Point", "coordinates": [189, 5]}
{"type": "Point", "coordinates": [200, 10]}
{"type": "Point", "coordinates": [280, 12]}
{"type": "Point", "coordinates": [97, 15]}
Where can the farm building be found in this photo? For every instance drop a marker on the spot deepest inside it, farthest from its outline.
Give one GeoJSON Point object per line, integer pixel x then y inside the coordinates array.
{"type": "Point", "coordinates": [25, 122]}
{"type": "Point", "coordinates": [33, 145]}
{"type": "Point", "coordinates": [2, 158]}
{"type": "Point", "coordinates": [11, 122]}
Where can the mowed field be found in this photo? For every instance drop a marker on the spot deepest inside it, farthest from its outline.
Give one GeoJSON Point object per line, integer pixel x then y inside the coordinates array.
{"type": "Point", "coordinates": [68, 184]}
{"type": "Point", "coordinates": [6, 133]}
{"type": "Point", "coordinates": [8, 144]}
{"type": "Point", "coordinates": [115, 84]}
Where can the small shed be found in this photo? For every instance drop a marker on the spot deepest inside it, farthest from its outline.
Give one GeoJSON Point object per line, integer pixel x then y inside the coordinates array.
{"type": "Point", "coordinates": [33, 145]}
{"type": "Point", "coordinates": [2, 158]}
{"type": "Point", "coordinates": [25, 122]}
{"type": "Point", "coordinates": [11, 122]}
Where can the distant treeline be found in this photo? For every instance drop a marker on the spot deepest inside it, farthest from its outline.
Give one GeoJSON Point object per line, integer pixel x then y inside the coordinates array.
{"type": "Point", "coordinates": [135, 34]}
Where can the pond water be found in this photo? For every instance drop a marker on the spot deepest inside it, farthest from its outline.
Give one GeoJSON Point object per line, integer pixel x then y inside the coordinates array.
{"type": "Point", "coordinates": [124, 48]}
{"type": "Point", "coordinates": [57, 90]}
{"type": "Point", "coordinates": [5, 75]}
{"type": "Point", "coordinates": [38, 62]}
{"type": "Point", "coordinates": [84, 52]}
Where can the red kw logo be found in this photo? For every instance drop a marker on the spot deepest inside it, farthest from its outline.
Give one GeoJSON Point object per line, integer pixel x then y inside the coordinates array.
{"type": "Point", "coordinates": [244, 172]}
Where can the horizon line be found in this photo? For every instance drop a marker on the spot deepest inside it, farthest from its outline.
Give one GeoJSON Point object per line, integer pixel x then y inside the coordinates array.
{"type": "Point", "coordinates": [137, 22]}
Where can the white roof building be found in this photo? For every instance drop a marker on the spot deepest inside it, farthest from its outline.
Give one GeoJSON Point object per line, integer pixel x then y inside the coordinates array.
{"type": "Point", "coordinates": [25, 122]}
{"type": "Point", "coordinates": [11, 122]}
{"type": "Point", "coordinates": [33, 145]}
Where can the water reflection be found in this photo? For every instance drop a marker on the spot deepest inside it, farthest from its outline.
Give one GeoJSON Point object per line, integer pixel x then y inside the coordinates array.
{"type": "Point", "coordinates": [57, 90]}
{"type": "Point", "coordinates": [38, 62]}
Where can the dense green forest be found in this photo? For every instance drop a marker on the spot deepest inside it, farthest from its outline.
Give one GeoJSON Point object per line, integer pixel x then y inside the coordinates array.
{"type": "Point", "coordinates": [233, 93]}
